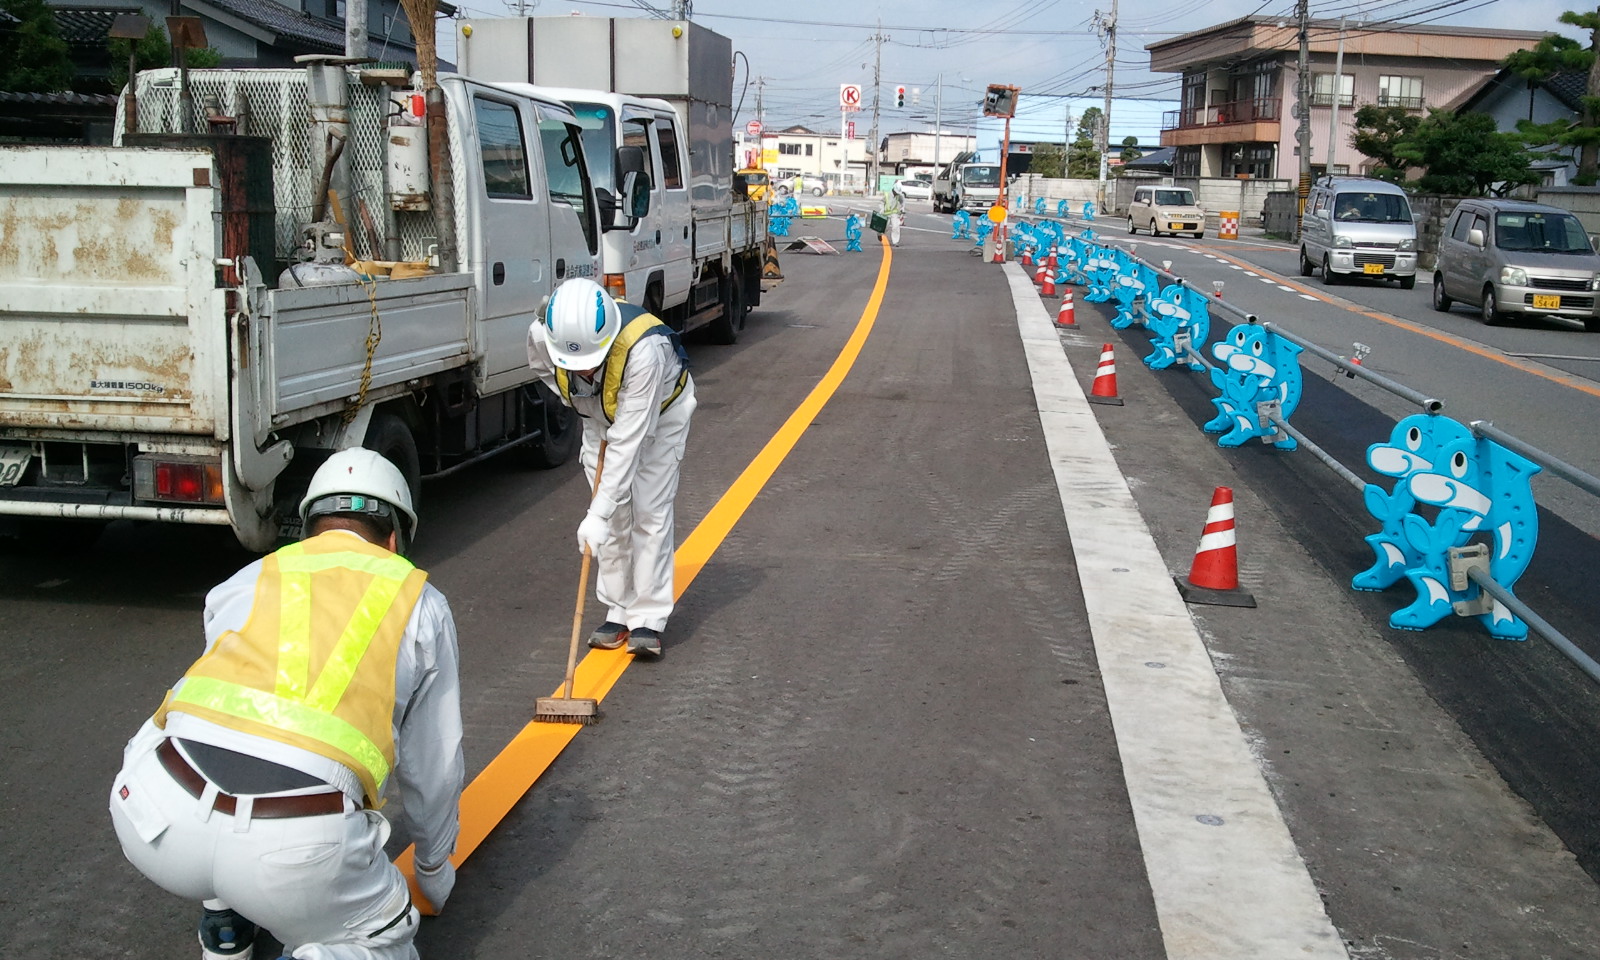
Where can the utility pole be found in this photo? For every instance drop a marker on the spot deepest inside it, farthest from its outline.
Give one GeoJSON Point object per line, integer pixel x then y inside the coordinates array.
{"type": "Point", "coordinates": [877, 79]}
{"type": "Point", "coordinates": [1303, 100]}
{"type": "Point", "coordinates": [938, 120]}
{"type": "Point", "coordinates": [355, 28]}
{"type": "Point", "coordinates": [1338, 91]}
{"type": "Point", "coordinates": [1109, 25]}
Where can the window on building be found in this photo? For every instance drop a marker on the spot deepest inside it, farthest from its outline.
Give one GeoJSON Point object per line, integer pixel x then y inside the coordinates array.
{"type": "Point", "coordinates": [1187, 162]}
{"type": "Point", "coordinates": [789, 149]}
{"type": "Point", "coordinates": [1193, 98]}
{"type": "Point", "coordinates": [671, 172]}
{"type": "Point", "coordinates": [1324, 91]}
{"type": "Point", "coordinates": [808, 149]}
{"type": "Point", "coordinates": [1400, 92]}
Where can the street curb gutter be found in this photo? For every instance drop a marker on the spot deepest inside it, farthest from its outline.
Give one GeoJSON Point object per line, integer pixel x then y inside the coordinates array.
{"type": "Point", "coordinates": [1226, 879]}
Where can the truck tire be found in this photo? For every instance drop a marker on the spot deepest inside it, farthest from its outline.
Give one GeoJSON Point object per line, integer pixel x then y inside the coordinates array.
{"type": "Point", "coordinates": [389, 436]}
{"type": "Point", "coordinates": [725, 329]}
{"type": "Point", "coordinates": [560, 430]}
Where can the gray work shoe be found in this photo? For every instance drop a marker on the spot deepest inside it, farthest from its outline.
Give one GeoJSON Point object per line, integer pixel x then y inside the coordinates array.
{"type": "Point", "coordinates": [608, 636]}
{"type": "Point", "coordinates": [225, 935]}
{"type": "Point", "coordinates": [644, 642]}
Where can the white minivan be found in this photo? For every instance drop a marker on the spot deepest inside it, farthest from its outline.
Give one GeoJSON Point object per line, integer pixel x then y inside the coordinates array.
{"type": "Point", "coordinates": [1166, 210]}
{"type": "Point", "coordinates": [1358, 227]}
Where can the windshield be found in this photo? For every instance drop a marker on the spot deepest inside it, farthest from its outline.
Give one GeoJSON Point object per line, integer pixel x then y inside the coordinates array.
{"type": "Point", "coordinates": [1174, 198]}
{"type": "Point", "coordinates": [599, 140]}
{"type": "Point", "coordinates": [984, 176]}
{"type": "Point", "coordinates": [1545, 232]}
{"type": "Point", "coordinates": [1371, 208]}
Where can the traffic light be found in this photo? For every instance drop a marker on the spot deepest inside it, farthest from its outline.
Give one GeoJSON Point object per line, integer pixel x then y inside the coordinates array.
{"type": "Point", "coordinates": [900, 96]}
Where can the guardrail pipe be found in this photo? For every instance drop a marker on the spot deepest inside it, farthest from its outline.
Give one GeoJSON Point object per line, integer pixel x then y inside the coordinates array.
{"type": "Point", "coordinates": [1321, 454]}
{"type": "Point", "coordinates": [1555, 465]}
{"type": "Point", "coordinates": [1539, 624]}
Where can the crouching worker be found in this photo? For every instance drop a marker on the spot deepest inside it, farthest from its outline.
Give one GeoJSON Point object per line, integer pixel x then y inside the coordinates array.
{"type": "Point", "coordinates": [627, 376]}
{"type": "Point", "coordinates": [330, 671]}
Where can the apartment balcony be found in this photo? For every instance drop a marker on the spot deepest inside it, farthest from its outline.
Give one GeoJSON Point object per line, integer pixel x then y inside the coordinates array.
{"type": "Point", "coordinates": [1242, 121]}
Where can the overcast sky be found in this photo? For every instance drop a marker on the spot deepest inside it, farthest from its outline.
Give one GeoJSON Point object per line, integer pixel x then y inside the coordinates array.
{"type": "Point", "coordinates": [803, 51]}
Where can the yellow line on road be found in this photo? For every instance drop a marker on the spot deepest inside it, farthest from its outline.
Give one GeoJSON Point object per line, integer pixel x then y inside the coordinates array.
{"type": "Point", "coordinates": [1461, 343]}
{"type": "Point", "coordinates": [492, 793]}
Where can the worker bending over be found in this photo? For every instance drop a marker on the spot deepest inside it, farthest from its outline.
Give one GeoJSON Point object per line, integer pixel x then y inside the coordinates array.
{"type": "Point", "coordinates": [625, 373]}
{"type": "Point", "coordinates": [894, 211]}
{"type": "Point", "coordinates": [330, 672]}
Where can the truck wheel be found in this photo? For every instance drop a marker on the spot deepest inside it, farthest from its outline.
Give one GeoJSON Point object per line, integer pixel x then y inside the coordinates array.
{"type": "Point", "coordinates": [560, 429]}
{"type": "Point", "coordinates": [1408, 283]}
{"type": "Point", "coordinates": [389, 436]}
{"type": "Point", "coordinates": [725, 329]}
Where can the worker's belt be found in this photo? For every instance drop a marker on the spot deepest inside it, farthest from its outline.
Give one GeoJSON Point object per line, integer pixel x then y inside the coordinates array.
{"type": "Point", "coordinates": [265, 808]}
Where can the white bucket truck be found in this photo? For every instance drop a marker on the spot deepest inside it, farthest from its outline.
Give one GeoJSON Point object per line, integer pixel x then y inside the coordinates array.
{"type": "Point", "coordinates": [655, 100]}
{"type": "Point", "coordinates": [193, 321]}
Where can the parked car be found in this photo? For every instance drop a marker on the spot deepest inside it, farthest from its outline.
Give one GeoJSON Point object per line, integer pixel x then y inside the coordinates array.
{"type": "Point", "coordinates": [1166, 209]}
{"type": "Point", "coordinates": [1358, 227]}
{"type": "Point", "coordinates": [1514, 257]}
{"type": "Point", "coordinates": [783, 186]}
{"type": "Point", "coordinates": [916, 189]}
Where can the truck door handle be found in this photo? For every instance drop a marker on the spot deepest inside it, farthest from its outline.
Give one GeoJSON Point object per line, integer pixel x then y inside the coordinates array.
{"type": "Point", "coordinates": [498, 274]}
{"type": "Point", "coordinates": [685, 233]}
{"type": "Point", "coordinates": [561, 268]}
{"type": "Point", "coordinates": [658, 237]}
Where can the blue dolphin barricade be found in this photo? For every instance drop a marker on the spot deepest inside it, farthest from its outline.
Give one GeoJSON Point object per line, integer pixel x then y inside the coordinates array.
{"type": "Point", "coordinates": [1413, 447]}
{"type": "Point", "coordinates": [1038, 206]}
{"type": "Point", "coordinates": [961, 225]}
{"type": "Point", "coordinates": [852, 234]}
{"type": "Point", "coordinates": [781, 215]}
{"type": "Point", "coordinates": [985, 227]}
{"type": "Point", "coordinates": [1062, 206]}
{"type": "Point", "coordinates": [1088, 210]}
{"type": "Point", "coordinates": [1180, 321]}
{"type": "Point", "coordinates": [1257, 367]}
{"type": "Point", "coordinates": [1480, 488]}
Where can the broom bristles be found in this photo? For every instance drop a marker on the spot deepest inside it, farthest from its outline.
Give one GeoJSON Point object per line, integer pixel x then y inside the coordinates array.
{"type": "Point", "coordinates": [566, 710]}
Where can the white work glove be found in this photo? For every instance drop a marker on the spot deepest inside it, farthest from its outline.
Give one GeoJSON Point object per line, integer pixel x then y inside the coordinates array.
{"type": "Point", "coordinates": [596, 525]}
{"type": "Point", "coordinates": [592, 532]}
{"type": "Point", "coordinates": [437, 883]}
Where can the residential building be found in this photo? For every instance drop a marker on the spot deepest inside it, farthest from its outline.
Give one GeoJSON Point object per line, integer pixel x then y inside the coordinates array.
{"type": "Point", "coordinates": [1508, 98]}
{"type": "Point", "coordinates": [1236, 114]}
{"type": "Point", "coordinates": [907, 154]}
{"type": "Point", "coordinates": [801, 151]}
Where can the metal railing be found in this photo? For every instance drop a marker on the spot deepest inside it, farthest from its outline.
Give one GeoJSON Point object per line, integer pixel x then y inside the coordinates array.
{"type": "Point", "coordinates": [1238, 111]}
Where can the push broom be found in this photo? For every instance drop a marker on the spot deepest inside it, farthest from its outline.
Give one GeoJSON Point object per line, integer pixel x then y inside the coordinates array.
{"type": "Point", "coordinates": [566, 708]}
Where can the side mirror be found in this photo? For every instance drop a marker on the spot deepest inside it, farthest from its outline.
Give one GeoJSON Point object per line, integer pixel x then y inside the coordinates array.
{"type": "Point", "coordinates": [636, 187]}
{"type": "Point", "coordinates": [1475, 237]}
{"type": "Point", "coordinates": [606, 205]}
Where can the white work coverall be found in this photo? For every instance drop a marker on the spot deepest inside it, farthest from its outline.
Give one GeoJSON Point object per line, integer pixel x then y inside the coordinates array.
{"type": "Point", "coordinates": [644, 449]}
{"type": "Point", "coordinates": [320, 884]}
{"type": "Point", "coordinates": [894, 210]}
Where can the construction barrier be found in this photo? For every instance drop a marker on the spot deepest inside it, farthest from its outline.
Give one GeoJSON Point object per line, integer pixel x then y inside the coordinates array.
{"type": "Point", "coordinates": [1228, 226]}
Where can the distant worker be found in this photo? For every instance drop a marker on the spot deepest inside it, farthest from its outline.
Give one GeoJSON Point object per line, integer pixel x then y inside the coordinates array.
{"type": "Point", "coordinates": [625, 372]}
{"type": "Point", "coordinates": [894, 211]}
{"type": "Point", "coordinates": [330, 674]}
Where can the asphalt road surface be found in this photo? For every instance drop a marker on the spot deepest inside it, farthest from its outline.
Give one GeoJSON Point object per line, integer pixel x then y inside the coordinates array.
{"type": "Point", "coordinates": [880, 727]}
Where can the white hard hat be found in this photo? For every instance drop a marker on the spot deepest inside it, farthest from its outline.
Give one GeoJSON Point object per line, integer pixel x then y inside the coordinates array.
{"type": "Point", "coordinates": [899, 187]}
{"type": "Point", "coordinates": [360, 481]}
{"type": "Point", "coordinates": [580, 323]}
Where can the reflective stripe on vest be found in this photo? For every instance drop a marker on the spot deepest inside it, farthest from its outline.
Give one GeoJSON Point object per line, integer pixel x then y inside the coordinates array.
{"type": "Point", "coordinates": [332, 604]}
{"type": "Point", "coordinates": [641, 326]}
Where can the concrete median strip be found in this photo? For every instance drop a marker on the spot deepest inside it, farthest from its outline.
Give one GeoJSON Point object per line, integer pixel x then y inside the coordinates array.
{"type": "Point", "coordinates": [1226, 879]}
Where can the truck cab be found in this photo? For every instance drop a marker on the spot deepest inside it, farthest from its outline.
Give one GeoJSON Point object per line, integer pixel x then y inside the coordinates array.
{"type": "Point", "coordinates": [646, 247]}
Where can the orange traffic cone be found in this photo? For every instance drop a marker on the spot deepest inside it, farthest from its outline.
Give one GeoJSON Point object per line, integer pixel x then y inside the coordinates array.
{"type": "Point", "coordinates": [1027, 258]}
{"type": "Point", "coordinates": [1214, 575]}
{"type": "Point", "coordinates": [999, 245]}
{"type": "Point", "coordinates": [1040, 274]}
{"type": "Point", "coordinates": [1048, 289]}
{"type": "Point", "coordinates": [1065, 317]}
{"type": "Point", "coordinates": [1105, 380]}
{"type": "Point", "coordinates": [1050, 261]}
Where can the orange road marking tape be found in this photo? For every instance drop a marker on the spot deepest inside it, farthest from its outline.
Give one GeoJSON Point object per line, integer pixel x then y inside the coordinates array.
{"type": "Point", "coordinates": [492, 793]}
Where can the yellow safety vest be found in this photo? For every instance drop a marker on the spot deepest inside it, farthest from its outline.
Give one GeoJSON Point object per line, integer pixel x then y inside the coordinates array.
{"type": "Point", "coordinates": [640, 326]}
{"type": "Point", "coordinates": [314, 666]}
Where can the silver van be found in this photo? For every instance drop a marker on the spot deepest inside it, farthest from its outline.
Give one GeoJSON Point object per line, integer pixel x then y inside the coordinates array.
{"type": "Point", "coordinates": [1358, 227]}
{"type": "Point", "coordinates": [1169, 209]}
{"type": "Point", "coordinates": [1513, 257]}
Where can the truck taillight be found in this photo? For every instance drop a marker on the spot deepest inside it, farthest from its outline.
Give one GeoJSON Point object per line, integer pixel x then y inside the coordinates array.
{"type": "Point", "coordinates": [616, 284]}
{"type": "Point", "coordinates": [176, 479]}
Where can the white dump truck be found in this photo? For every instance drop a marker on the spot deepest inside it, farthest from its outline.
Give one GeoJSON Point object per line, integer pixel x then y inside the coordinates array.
{"type": "Point", "coordinates": [194, 321]}
{"type": "Point", "coordinates": [655, 100]}
{"type": "Point", "coordinates": [965, 184]}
